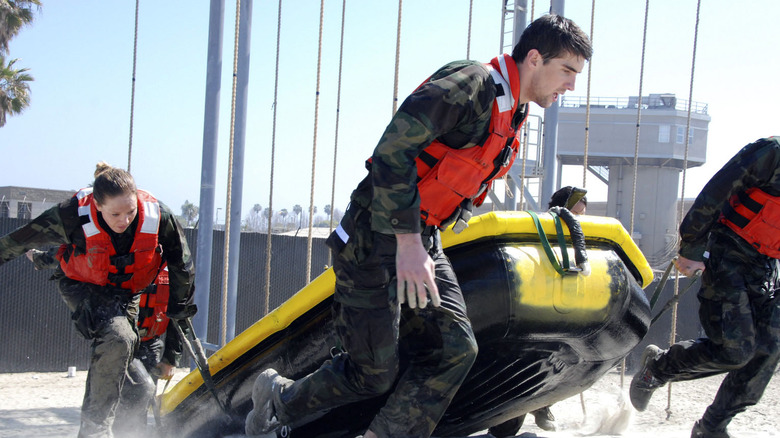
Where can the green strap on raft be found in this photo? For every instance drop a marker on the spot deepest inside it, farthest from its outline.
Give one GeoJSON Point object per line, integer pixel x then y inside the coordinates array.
{"type": "Point", "coordinates": [561, 268]}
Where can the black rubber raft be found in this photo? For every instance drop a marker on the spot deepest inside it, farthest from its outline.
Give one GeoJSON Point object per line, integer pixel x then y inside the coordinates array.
{"type": "Point", "coordinates": [542, 336]}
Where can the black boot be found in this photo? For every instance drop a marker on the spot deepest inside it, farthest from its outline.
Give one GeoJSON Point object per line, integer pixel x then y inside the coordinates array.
{"type": "Point", "coordinates": [700, 430]}
{"type": "Point", "coordinates": [645, 382]}
{"type": "Point", "coordinates": [544, 419]}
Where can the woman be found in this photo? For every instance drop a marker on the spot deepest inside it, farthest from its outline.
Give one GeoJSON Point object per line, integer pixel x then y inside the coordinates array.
{"type": "Point", "coordinates": [114, 240]}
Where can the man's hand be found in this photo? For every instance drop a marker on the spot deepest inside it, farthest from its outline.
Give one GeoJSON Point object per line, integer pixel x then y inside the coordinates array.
{"type": "Point", "coordinates": [415, 271]}
{"type": "Point", "coordinates": [688, 267]}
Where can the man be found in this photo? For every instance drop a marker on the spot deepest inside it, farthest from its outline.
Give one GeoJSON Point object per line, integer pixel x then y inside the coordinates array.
{"type": "Point", "coordinates": [450, 138]}
{"type": "Point", "coordinates": [730, 235]}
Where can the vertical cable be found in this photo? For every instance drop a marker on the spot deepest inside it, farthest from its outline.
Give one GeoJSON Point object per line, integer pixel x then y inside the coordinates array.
{"type": "Point", "coordinates": [226, 262]}
{"type": "Point", "coordinates": [132, 90]}
{"type": "Point", "coordinates": [397, 57]}
{"type": "Point", "coordinates": [338, 110]}
{"type": "Point", "coordinates": [314, 146]}
{"type": "Point", "coordinates": [587, 103]}
{"type": "Point", "coordinates": [468, 34]}
{"type": "Point", "coordinates": [673, 332]}
{"type": "Point", "coordinates": [273, 153]}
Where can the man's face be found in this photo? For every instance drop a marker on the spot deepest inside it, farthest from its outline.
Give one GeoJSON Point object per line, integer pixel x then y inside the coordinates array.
{"type": "Point", "coordinates": [119, 211]}
{"type": "Point", "coordinates": [552, 79]}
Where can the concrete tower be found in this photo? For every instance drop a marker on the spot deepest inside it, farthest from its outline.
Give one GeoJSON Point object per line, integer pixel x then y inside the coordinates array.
{"type": "Point", "coordinates": [612, 141]}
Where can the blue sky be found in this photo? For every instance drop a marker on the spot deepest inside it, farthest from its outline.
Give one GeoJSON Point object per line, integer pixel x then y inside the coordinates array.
{"type": "Point", "coordinates": [80, 53]}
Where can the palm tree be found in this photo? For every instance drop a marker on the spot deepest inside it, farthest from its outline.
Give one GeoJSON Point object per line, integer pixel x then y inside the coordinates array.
{"type": "Point", "coordinates": [14, 14]}
{"type": "Point", "coordinates": [283, 214]}
{"type": "Point", "coordinates": [297, 209]}
{"type": "Point", "coordinates": [254, 220]}
{"type": "Point", "coordinates": [189, 212]}
{"type": "Point", "coordinates": [14, 88]}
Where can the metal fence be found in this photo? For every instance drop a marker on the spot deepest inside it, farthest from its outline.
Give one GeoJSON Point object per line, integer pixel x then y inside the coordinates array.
{"type": "Point", "coordinates": [35, 326]}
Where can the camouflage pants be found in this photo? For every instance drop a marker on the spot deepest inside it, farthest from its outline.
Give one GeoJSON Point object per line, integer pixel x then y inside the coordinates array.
{"type": "Point", "coordinates": [108, 320]}
{"type": "Point", "coordinates": [740, 313]}
{"type": "Point", "coordinates": [376, 333]}
{"type": "Point", "coordinates": [139, 390]}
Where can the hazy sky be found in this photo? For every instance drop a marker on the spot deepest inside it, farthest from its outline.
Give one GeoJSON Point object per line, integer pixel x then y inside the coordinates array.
{"type": "Point", "coordinates": [80, 53]}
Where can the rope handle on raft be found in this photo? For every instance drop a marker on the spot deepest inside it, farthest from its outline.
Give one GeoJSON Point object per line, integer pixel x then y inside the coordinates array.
{"type": "Point", "coordinates": [563, 267]}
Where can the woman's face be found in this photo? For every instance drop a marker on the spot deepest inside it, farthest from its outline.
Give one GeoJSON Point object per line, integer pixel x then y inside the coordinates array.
{"type": "Point", "coordinates": [119, 211]}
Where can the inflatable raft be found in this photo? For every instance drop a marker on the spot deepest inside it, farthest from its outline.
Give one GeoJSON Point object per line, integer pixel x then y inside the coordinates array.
{"type": "Point", "coordinates": [542, 336]}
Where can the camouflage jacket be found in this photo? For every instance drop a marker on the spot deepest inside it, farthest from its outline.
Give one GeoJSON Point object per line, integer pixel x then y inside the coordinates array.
{"type": "Point", "coordinates": [454, 106]}
{"type": "Point", "coordinates": [61, 225]}
{"type": "Point", "coordinates": [756, 165]}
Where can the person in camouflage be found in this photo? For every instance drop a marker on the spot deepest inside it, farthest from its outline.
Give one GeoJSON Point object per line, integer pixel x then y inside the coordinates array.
{"type": "Point", "coordinates": [739, 303]}
{"type": "Point", "coordinates": [106, 314]}
{"type": "Point", "coordinates": [389, 263]}
{"type": "Point", "coordinates": [156, 356]}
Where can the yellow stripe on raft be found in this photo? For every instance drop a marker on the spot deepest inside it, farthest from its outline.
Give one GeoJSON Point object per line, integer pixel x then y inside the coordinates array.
{"type": "Point", "coordinates": [484, 226]}
{"type": "Point", "coordinates": [312, 294]}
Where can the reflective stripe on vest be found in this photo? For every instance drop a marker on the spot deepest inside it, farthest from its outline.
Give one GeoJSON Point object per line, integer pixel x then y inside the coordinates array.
{"type": "Point", "coordinates": [755, 216]}
{"type": "Point", "coordinates": [449, 176]}
{"type": "Point", "coordinates": [95, 265]}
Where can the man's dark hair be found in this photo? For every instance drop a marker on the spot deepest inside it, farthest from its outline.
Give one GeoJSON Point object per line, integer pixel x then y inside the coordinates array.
{"type": "Point", "coordinates": [553, 36]}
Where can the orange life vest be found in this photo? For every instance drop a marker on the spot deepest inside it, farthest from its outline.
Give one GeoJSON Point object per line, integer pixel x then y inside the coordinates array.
{"type": "Point", "coordinates": [449, 176]}
{"type": "Point", "coordinates": [98, 262]}
{"type": "Point", "coordinates": [755, 216]}
{"type": "Point", "coordinates": [152, 320]}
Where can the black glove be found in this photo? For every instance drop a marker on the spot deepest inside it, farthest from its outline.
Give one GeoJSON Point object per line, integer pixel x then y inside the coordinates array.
{"type": "Point", "coordinates": [178, 312]}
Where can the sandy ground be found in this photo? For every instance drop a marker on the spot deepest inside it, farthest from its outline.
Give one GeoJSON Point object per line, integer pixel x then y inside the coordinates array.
{"type": "Point", "coordinates": [47, 405]}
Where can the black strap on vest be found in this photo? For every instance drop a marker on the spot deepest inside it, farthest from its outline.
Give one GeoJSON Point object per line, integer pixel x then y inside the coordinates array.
{"type": "Point", "coordinates": [737, 219]}
{"type": "Point", "coordinates": [749, 202]}
{"type": "Point", "coordinates": [428, 159]}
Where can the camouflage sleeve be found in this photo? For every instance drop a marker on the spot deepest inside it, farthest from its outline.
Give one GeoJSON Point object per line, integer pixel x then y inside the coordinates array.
{"type": "Point", "coordinates": [454, 99]}
{"type": "Point", "coordinates": [756, 165]}
{"type": "Point", "coordinates": [181, 270]}
{"type": "Point", "coordinates": [47, 229]}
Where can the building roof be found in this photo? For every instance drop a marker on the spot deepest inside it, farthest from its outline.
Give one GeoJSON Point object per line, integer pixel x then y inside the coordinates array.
{"type": "Point", "coordinates": [34, 194]}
